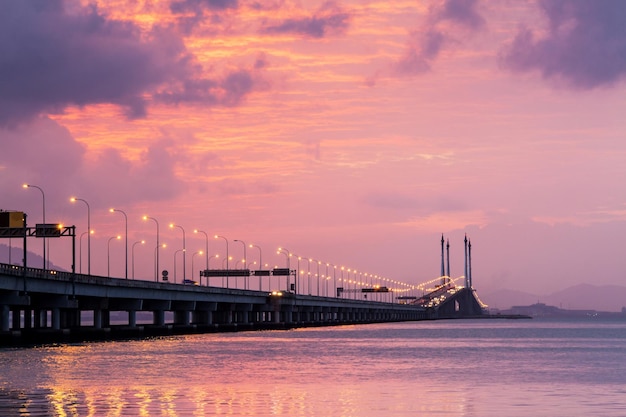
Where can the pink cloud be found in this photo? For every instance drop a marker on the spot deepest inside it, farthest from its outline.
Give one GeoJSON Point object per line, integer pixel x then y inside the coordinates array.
{"type": "Point", "coordinates": [584, 47]}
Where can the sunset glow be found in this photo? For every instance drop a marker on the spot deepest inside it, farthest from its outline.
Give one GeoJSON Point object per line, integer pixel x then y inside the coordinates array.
{"type": "Point", "coordinates": [354, 133]}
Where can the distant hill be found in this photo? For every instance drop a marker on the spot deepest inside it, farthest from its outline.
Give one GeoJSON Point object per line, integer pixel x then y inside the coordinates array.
{"type": "Point", "coordinates": [505, 298]}
{"type": "Point", "coordinates": [577, 297]}
{"type": "Point", "coordinates": [34, 260]}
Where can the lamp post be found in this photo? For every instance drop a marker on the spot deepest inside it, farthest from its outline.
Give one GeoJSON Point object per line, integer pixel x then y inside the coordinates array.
{"type": "Point", "coordinates": [318, 275]}
{"type": "Point", "coordinates": [192, 256]}
{"type": "Point", "coordinates": [156, 250]}
{"type": "Point", "coordinates": [74, 199]}
{"type": "Point", "coordinates": [113, 210]}
{"type": "Point", "coordinates": [109, 254]}
{"type": "Point", "coordinates": [172, 225]}
{"type": "Point", "coordinates": [260, 263]}
{"type": "Point", "coordinates": [133, 254]}
{"type": "Point", "coordinates": [43, 198]}
{"type": "Point", "coordinates": [208, 265]}
{"type": "Point", "coordinates": [227, 258]}
{"type": "Point", "coordinates": [211, 257]}
{"type": "Point", "coordinates": [288, 256]}
{"type": "Point", "coordinates": [327, 279]}
{"type": "Point", "coordinates": [342, 282]}
{"type": "Point", "coordinates": [308, 263]}
{"type": "Point", "coordinates": [206, 248]}
{"type": "Point", "coordinates": [80, 250]}
{"type": "Point", "coordinates": [245, 259]}
{"type": "Point", "coordinates": [176, 253]}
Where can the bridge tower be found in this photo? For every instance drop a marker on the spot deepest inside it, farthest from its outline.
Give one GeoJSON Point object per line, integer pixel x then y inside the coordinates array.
{"type": "Point", "coordinates": [448, 259]}
{"type": "Point", "coordinates": [466, 265]}
{"type": "Point", "coordinates": [443, 268]}
{"type": "Point", "coordinates": [469, 263]}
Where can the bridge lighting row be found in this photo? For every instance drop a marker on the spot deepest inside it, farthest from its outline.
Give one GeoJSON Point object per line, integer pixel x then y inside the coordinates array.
{"type": "Point", "coordinates": [353, 277]}
{"type": "Point", "coordinates": [348, 281]}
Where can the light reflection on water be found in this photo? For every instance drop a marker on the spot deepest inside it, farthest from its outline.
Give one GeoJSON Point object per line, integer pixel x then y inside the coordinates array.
{"type": "Point", "coordinates": [444, 368]}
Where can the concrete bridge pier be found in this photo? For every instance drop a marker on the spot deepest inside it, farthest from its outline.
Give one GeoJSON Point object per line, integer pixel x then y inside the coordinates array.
{"type": "Point", "coordinates": [158, 318]}
{"type": "Point", "coordinates": [16, 325]}
{"type": "Point", "coordinates": [288, 314]}
{"type": "Point", "coordinates": [56, 318]}
{"type": "Point", "coordinates": [132, 318]}
{"type": "Point", "coordinates": [28, 322]}
{"type": "Point", "coordinates": [4, 318]}
{"type": "Point", "coordinates": [181, 317]}
{"type": "Point", "coordinates": [97, 318]}
{"type": "Point", "coordinates": [243, 311]}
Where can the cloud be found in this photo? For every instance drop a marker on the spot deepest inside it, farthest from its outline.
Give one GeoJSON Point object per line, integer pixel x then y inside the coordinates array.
{"type": "Point", "coordinates": [229, 90]}
{"type": "Point", "coordinates": [462, 12]}
{"type": "Point", "coordinates": [122, 181]}
{"type": "Point", "coordinates": [45, 153]}
{"type": "Point", "coordinates": [198, 6]}
{"type": "Point", "coordinates": [424, 46]}
{"type": "Point", "coordinates": [584, 46]}
{"type": "Point", "coordinates": [191, 13]}
{"type": "Point", "coordinates": [51, 59]}
{"type": "Point", "coordinates": [390, 200]}
{"type": "Point", "coordinates": [329, 18]}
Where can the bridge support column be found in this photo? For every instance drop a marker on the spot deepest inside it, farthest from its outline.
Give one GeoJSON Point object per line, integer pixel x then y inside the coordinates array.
{"type": "Point", "coordinates": [4, 318]}
{"type": "Point", "coordinates": [56, 318]}
{"type": "Point", "coordinates": [132, 318]}
{"type": "Point", "coordinates": [181, 317]}
{"type": "Point", "coordinates": [158, 317]}
{"type": "Point", "coordinates": [40, 318]}
{"type": "Point", "coordinates": [28, 323]}
{"type": "Point", "coordinates": [97, 318]}
{"type": "Point", "coordinates": [16, 319]}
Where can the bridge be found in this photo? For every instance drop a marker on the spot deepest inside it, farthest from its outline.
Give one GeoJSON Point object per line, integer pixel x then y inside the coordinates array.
{"type": "Point", "coordinates": [38, 306]}
{"type": "Point", "coordinates": [44, 305]}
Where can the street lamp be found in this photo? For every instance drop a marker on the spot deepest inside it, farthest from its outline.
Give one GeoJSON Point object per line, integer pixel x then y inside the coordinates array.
{"type": "Point", "coordinates": [125, 236]}
{"type": "Point", "coordinates": [74, 199]}
{"type": "Point", "coordinates": [176, 253]}
{"type": "Point", "coordinates": [206, 247]}
{"type": "Point", "coordinates": [260, 263]}
{"type": "Point", "coordinates": [288, 256]}
{"type": "Point", "coordinates": [156, 250]}
{"type": "Point", "coordinates": [245, 259]}
{"type": "Point", "coordinates": [156, 253]}
{"type": "Point", "coordinates": [318, 275]}
{"type": "Point", "coordinates": [133, 254]}
{"type": "Point", "coordinates": [80, 250]}
{"type": "Point", "coordinates": [227, 258]}
{"type": "Point", "coordinates": [192, 256]}
{"type": "Point", "coordinates": [172, 225]}
{"type": "Point", "coordinates": [43, 198]}
{"type": "Point", "coordinates": [109, 254]}
{"type": "Point", "coordinates": [211, 257]}
{"type": "Point", "coordinates": [209, 267]}
{"type": "Point", "coordinates": [300, 258]}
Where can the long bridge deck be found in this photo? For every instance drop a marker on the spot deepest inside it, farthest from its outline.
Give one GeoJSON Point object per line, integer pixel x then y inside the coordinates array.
{"type": "Point", "coordinates": [39, 306]}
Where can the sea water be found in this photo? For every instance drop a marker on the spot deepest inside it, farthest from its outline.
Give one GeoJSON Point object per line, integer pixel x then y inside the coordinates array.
{"type": "Point", "coordinates": [450, 368]}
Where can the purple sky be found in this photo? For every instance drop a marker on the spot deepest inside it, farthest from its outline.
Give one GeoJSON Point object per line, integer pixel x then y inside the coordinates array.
{"type": "Point", "coordinates": [350, 132]}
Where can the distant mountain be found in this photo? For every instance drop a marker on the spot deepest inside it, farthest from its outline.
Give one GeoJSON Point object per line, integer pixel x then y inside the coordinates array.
{"type": "Point", "coordinates": [589, 297]}
{"type": "Point", "coordinates": [578, 297]}
{"type": "Point", "coordinates": [505, 298]}
{"type": "Point", "coordinates": [16, 255]}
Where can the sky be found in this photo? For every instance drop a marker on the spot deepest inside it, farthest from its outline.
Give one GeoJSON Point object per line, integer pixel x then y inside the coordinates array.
{"type": "Point", "coordinates": [353, 132]}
